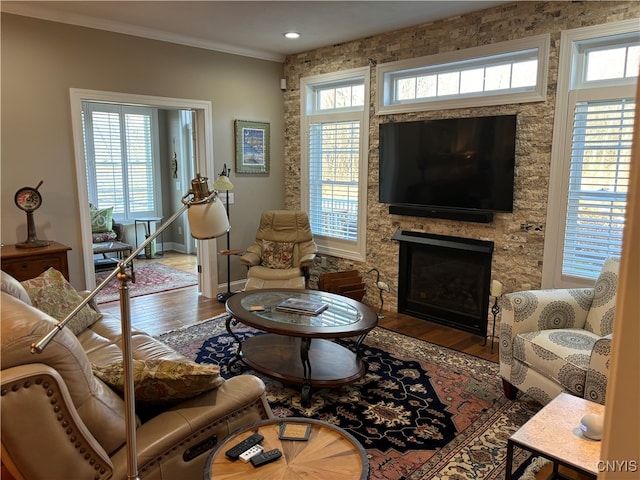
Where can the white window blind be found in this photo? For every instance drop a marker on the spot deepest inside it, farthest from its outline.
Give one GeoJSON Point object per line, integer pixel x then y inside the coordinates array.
{"type": "Point", "coordinates": [139, 160]}
{"type": "Point", "coordinates": [119, 145]}
{"type": "Point", "coordinates": [103, 136]}
{"type": "Point", "coordinates": [334, 159]}
{"type": "Point", "coordinates": [598, 182]}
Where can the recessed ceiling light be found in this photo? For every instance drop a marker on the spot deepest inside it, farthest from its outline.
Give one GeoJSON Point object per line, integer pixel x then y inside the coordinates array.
{"type": "Point", "coordinates": [292, 35]}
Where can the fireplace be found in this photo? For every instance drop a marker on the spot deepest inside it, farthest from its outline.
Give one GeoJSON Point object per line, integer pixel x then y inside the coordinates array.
{"type": "Point", "coordinates": [445, 279]}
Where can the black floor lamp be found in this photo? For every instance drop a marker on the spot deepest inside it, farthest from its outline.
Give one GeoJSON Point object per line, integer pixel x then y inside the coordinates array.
{"type": "Point", "coordinates": [223, 184]}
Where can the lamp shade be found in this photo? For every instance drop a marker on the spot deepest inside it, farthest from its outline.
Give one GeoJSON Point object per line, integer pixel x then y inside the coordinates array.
{"type": "Point", "coordinates": [208, 220]}
{"type": "Point", "coordinates": [223, 183]}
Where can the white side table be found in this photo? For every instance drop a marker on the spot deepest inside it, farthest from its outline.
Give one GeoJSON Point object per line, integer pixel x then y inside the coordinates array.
{"type": "Point", "coordinates": [554, 433]}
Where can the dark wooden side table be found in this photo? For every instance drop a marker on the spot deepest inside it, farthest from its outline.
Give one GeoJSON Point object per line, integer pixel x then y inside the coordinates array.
{"type": "Point", "coordinates": [121, 249]}
{"type": "Point", "coordinates": [26, 263]}
{"type": "Point", "coordinates": [330, 453]}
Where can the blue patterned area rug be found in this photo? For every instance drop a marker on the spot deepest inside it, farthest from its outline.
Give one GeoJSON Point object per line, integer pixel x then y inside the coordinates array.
{"type": "Point", "coordinates": [421, 412]}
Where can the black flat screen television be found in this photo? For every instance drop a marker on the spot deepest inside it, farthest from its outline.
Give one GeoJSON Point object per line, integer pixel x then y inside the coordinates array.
{"type": "Point", "coordinates": [458, 164]}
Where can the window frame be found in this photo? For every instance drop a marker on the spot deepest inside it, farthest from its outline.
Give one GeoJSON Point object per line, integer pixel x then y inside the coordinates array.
{"type": "Point", "coordinates": [567, 95]}
{"type": "Point", "coordinates": [122, 111]}
{"type": "Point", "coordinates": [582, 48]}
{"type": "Point", "coordinates": [352, 250]}
{"type": "Point", "coordinates": [386, 73]}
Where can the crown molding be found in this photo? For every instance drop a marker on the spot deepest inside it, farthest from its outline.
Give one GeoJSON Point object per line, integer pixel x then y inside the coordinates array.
{"type": "Point", "coordinates": [44, 13]}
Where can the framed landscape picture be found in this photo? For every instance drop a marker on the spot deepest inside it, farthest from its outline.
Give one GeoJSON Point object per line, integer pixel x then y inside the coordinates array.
{"type": "Point", "coordinates": [252, 146]}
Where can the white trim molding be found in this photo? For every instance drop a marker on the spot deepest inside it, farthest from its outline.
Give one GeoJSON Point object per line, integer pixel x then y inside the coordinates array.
{"type": "Point", "coordinates": [207, 249]}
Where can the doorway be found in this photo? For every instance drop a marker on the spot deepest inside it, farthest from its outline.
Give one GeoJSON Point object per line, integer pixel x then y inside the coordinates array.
{"type": "Point", "coordinates": [201, 150]}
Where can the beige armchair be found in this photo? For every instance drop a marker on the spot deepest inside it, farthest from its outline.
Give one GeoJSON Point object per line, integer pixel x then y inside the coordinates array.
{"type": "Point", "coordinates": [554, 341]}
{"type": "Point", "coordinates": [282, 253]}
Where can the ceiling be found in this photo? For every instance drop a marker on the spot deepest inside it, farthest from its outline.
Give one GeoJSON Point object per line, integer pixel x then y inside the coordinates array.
{"type": "Point", "coordinates": [249, 28]}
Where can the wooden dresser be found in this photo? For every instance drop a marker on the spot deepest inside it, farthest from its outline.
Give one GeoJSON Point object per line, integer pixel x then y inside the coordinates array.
{"type": "Point", "coordinates": [26, 263]}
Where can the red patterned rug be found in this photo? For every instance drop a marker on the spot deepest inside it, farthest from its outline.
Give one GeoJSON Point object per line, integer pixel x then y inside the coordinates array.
{"type": "Point", "coordinates": [421, 412]}
{"type": "Point", "coordinates": [150, 278]}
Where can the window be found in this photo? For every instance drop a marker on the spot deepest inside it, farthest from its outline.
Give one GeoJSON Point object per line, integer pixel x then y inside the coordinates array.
{"type": "Point", "coordinates": [598, 182]}
{"type": "Point", "coordinates": [609, 61]}
{"type": "Point", "coordinates": [507, 72]}
{"type": "Point", "coordinates": [334, 160]}
{"type": "Point", "coordinates": [120, 145]}
{"type": "Point", "coordinates": [591, 152]}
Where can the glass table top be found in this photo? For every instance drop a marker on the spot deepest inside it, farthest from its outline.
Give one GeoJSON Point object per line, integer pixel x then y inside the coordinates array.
{"type": "Point", "coordinates": [338, 313]}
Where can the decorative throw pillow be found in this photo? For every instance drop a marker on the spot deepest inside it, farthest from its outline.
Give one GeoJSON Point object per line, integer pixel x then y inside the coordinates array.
{"type": "Point", "coordinates": [109, 236]}
{"type": "Point", "coordinates": [101, 220]}
{"type": "Point", "coordinates": [277, 254]}
{"type": "Point", "coordinates": [51, 293]}
{"type": "Point", "coordinates": [162, 381]}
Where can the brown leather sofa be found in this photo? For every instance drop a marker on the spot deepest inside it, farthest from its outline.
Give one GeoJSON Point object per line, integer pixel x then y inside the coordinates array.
{"type": "Point", "coordinates": [59, 421]}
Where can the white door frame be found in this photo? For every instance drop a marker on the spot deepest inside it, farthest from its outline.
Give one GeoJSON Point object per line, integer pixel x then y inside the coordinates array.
{"type": "Point", "coordinates": [207, 249]}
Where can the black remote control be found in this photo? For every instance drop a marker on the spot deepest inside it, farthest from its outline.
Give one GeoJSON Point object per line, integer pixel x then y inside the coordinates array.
{"type": "Point", "coordinates": [266, 457]}
{"type": "Point", "coordinates": [234, 452]}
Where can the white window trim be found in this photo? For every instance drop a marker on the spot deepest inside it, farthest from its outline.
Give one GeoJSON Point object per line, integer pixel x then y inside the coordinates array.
{"type": "Point", "coordinates": [541, 42]}
{"type": "Point", "coordinates": [560, 156]}
{"type": "Point", "coordinates": [207, 249]}
{"type": "Point", "coordinates": [331, 246]}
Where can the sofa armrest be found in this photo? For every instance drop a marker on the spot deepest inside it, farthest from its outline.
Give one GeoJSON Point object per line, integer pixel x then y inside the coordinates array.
{"type": "Point", "coordinates": [595, 388]}
{"type": "Point", "coordinates": [118, 228]}
{"type": "Point", "coordinates": [30, 424]}
{"type": "Point", "coordinates": [164, 442]}
{"type": "Point", "coordinates": [533, 310]}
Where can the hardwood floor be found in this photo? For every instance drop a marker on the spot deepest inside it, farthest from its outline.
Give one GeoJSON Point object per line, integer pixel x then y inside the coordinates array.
{"type": "Point", "coordinates": [161, 312]}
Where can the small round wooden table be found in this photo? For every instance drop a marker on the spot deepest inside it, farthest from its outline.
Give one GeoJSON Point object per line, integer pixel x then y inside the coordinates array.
{"type": "Point", "coordinates": [330, 453]}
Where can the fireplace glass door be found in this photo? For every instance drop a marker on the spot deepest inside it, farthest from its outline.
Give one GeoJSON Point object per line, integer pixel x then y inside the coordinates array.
{"type": "Point", "coordinates": [446, 280]}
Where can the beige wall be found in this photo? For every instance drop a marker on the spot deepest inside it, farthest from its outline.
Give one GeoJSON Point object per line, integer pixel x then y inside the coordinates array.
{"type": "Point", "coordinates": [42, 60]}
{"type": "Point", "coordinates": [517, 258]}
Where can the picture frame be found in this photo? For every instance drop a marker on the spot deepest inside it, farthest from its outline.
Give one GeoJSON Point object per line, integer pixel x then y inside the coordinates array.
{"type": "Point", "coordinates": [253, 146]}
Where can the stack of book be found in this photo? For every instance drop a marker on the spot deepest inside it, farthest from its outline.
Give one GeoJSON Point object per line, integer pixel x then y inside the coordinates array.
{"type": "Point", "coordinates": [302, 306]}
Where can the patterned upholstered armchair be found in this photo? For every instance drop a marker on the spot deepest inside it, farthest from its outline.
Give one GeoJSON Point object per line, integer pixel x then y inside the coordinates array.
{"type": "Point", "coordinates": [554, 341]}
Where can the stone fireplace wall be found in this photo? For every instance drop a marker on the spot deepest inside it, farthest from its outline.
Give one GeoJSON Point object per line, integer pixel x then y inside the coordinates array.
{"type": "Point", "coordinates": [518, 253]}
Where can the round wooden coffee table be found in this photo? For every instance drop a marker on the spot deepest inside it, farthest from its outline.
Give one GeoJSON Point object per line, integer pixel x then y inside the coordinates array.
{"type": "Point", "coordinates": [298, 349]}
{"type": "Point", "coordinates": [330, 453]}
